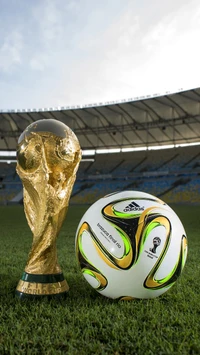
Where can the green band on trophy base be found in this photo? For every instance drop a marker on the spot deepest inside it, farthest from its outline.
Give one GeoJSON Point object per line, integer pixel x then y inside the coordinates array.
{"type": "Point", "coordinates": [37, 286]}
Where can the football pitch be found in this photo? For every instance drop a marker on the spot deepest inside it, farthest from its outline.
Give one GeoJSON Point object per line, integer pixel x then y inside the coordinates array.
{"type": "Point", "coordinates": [86, 322]}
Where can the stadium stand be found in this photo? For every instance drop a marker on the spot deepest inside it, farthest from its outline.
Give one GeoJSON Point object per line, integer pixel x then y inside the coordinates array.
{"type": "Point", "coordinates": [173, 175]}
{"type": "Point", "coordinates": [141, 124]}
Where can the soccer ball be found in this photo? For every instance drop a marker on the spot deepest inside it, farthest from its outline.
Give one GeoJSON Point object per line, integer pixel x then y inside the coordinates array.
{"type": "Point", "coordinates": [131, 244]}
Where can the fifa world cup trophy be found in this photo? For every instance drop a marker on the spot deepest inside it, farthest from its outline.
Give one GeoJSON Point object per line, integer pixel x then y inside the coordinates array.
{"type": "Point", "coordinates": [48, 156]}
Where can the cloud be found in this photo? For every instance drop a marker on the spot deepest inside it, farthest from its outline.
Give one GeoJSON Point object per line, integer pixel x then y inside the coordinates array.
{"type": "Point", "coordinates": [48, 17]}
{"type": "Point", "coordinates": [39, 62]}
{"type": "Point", "coordinates": [69, 53]}
{"type": "Point", "coordinates": [138, 60]}
{"type": "Point", "coordinates": [11, 51]}
{"type": "Point", "coordinates": [172, 50]}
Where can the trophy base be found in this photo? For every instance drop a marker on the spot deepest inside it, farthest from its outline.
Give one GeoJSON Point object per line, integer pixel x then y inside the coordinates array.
{"type": "Point", "coordinates": [32, 286]}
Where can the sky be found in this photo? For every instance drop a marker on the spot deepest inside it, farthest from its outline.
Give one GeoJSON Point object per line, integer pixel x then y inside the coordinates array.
{"type": "Point", "coordinates": [56, 53]}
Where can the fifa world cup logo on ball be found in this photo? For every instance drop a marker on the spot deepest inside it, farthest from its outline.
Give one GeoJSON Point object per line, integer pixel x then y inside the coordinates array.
{"type": "Point", "coordinates": [48, 157]}
{"type": "Point", "coordinates": [156, 243]}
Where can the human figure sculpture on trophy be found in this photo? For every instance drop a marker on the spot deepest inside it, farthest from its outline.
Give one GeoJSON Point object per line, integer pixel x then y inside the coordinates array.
{"type": "Point", "coordinates": [48, 157]}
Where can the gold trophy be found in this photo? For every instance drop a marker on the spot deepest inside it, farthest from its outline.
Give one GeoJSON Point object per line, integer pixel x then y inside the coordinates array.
{"type": "Point", "coordinates": [48, 156]}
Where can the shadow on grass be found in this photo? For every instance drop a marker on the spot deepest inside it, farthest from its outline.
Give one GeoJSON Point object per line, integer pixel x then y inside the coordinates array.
{"type": "Point", "coordinates": [80, 294]}
{"type": "Point", "coordinates": [80, 290]}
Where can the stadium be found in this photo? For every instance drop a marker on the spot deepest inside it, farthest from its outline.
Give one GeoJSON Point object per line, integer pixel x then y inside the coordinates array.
{"type": "Point", "coordinates": [149, 144]}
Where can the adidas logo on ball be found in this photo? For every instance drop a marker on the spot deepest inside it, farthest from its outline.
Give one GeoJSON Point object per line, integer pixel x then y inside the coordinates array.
{"type": "Point", "coordinates": [133, 207]}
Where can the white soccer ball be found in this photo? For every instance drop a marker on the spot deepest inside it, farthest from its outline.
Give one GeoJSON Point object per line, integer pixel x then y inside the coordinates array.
{"type": "Point", "coordinates": [131, 244]}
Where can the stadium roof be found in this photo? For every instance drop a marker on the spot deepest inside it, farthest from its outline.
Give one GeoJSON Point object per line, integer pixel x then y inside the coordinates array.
{"type": "Point", "coordinates": [145, 121]}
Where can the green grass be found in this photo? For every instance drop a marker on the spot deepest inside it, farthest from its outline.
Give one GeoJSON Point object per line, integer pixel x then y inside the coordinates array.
{"type": "Point", "coordinates": [86, 322]}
